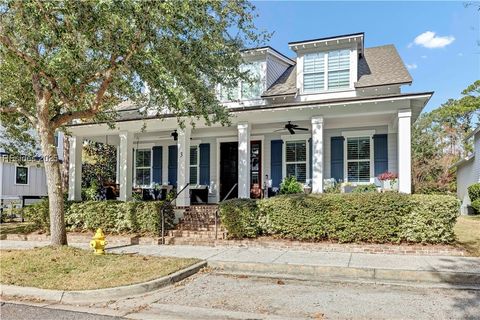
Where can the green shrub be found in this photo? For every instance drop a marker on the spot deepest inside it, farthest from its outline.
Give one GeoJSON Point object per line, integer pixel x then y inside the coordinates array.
{"type": "Point", "coordinates": [360, 217]}
{"type": "Point", "coordinates": [118, 217]}
{"type": "Point", "coordinates": [39, 214]}
{"type": "Point", "coordinates": [240, 217]}
{"type": "Point", "coordinates": [474, 192]}
{"type": "Point", "coordinates": [365, 188]}
{"type": "Point", "coordinates": [476, 205]}
{"type": "Point", "coordinates": [290, 185]}
{"type": "Point", "coordinates": [431, 219]}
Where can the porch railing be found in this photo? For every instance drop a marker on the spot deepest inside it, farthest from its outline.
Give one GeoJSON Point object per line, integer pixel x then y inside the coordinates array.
{"type": "Point", "coordinates": [162, 212]}
{"type": "Point", "coordinates": [216, 211]}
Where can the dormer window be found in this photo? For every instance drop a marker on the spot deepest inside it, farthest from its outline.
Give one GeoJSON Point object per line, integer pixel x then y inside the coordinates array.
{"type": "Point", "coordinates": [324, 71]}
{"type": "Point", "coordinates": [253, 90]}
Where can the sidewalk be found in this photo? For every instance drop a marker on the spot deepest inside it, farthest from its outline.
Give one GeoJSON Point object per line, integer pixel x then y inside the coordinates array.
{"type": "Point", "coordinates": [311, 265]}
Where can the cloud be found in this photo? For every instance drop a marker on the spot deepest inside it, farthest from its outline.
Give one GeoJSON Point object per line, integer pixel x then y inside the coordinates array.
{"type": "Point", "coordinates": [430, 40]}
{"type": "Point", "coordinates": [460, 54]}
{"type": "Point", "coordinates": [412, 66]}
{"type": "Point", "coordinates": [424, 57]}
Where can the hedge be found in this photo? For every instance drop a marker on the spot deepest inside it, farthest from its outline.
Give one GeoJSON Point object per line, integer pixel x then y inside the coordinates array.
{"type": "Point", "coordinates": [355, 217]}
{"type": "Point", "coordinates": [474, 195]}
{"type": "Point", "coordinates": [240, 217]}
{"type": "Point", "coordinates": [111, 216]}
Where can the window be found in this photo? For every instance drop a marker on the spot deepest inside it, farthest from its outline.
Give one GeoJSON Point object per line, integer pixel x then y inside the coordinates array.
{"type": "Point", "coordinates": [252, 90]}
{"type": "Point", "coordinates": [358, 159]}
{"type": "Point", "coordinates": [194, 165]}
{"type": "Point", "coordinates": [296, 159]}
{"type": "Point", "coordinates": [314, 72]}
{"type": "Point", "coordinates": [228, 93]}
{"type": "Point", "coordinates": [143, 167]}
{"type": "Point", "coordinates": [339, 69]}
{"type": "Point", "coordinates": [21, 175]}
{"type": "Point", "coordinates": [326, 70]}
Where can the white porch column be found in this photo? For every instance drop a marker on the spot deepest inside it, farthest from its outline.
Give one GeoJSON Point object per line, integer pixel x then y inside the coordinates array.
{"type": "Point", "coordinates": [317, 156]}
{"type": "Point", "coordinates": [75, 169]}
{"type": "Point", "coordinates": [243, 160]}
{"type": "Point", "coordinates": [183, 168]}
{"type": "Point", "coordinates": [404, 151]}
{"type": "Point", "coordinates": [126, 163]}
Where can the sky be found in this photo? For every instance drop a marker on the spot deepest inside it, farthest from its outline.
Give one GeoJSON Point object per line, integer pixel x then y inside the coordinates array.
{"type": "Point", "coordinates": [438, 41]}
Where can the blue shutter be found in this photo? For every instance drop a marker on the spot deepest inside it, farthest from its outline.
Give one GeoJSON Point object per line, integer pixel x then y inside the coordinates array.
{"type": "Point", "coordinates": [157, 164]}
{"type": "Point", "coordinates": [380, 153]}
{"type": "Point", "coordinates": [310, 167]}
{"type": "Point", "coordinates": [336, 158]}
{"type": "Point", "coordinates": [172, 164]}
{"type": "Point", "coordinates": [276, 159]}
{"type": "Point", "coordinates": [204, 163]}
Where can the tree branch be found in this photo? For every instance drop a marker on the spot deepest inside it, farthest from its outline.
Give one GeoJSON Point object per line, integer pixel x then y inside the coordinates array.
{"type": "Point", "coordinates": [18, 110]}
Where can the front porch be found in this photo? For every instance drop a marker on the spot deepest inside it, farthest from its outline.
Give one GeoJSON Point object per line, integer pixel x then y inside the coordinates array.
{"type": "Point", "coordinates": [253, 155]}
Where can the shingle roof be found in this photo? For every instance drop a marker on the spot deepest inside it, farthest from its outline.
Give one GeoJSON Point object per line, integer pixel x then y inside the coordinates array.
{"type": "Point", "coordinates": [381, 66]}
{"type": "Point", "coordinates": [378, 66]}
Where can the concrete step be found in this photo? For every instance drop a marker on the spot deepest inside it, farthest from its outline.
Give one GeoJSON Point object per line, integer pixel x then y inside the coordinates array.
{"type": "Point", "coordinates": [194, 234]}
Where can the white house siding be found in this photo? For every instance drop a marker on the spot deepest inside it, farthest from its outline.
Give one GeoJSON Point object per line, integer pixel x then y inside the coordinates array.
{"type": "Point", "coordinates": [275, 68]}
{"type": "Point", "coordinates": [392, 152]}
{"type": "Point", "coordinates": [464, 179]}
{"type": "Point", "coordinates": [37, 185]}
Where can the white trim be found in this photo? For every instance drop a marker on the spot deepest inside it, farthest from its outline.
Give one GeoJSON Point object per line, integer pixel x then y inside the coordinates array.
{"type": "Point", "coordinates": [290, 138]}
{"type": "Point", "coordinates": [136, 185]}
{"type": "Point", "coordinates": [15, 176]}
{"type": "Point", "coordinates": [359, 133]}
{"type": "Point", "coordinates": [196, 165]}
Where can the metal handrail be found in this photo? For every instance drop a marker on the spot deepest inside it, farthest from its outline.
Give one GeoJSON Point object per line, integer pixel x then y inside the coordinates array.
{"type": "Point", "coordinates": [162, 211]}
{"type": "Point", "coordinates": [216, 211]}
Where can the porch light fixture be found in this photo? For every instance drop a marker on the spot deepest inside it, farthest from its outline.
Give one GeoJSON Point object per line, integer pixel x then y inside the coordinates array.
{"type": "Point", "coordinates": [174, 135]}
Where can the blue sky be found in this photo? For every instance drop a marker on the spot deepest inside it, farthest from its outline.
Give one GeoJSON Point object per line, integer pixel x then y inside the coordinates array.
{"type": "Point", "coordinates": [446, 60]}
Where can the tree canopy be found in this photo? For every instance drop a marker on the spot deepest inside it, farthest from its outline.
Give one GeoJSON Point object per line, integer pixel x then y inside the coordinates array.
{"type": "Point", "coordinates": [67, 60]}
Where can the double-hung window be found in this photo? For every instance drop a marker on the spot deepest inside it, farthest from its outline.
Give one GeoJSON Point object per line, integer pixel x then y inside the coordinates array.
{"type": "Point", "coordinates": [143, 167]}
{"type": "Point", "coordinates": [296, 159]}
{"type": "Point", "coordinates": [358, 159]}
{"type": "Point", "coordinates": [314, 72]}
{"type": "Point", "coordinates": [21, 175]}
{"type": "Point", "coordinates": [338, 69]}
{"type": "Point", "coordinates": [194, 159]}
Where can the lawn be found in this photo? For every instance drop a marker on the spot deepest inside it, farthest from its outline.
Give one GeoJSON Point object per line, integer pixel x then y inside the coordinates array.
{"type": "Point", "coordinates": [467, 230]}
{"type": "Point", "coordinates": [17, 228]}
{"type": "Point", "coordinates": [68, 268]}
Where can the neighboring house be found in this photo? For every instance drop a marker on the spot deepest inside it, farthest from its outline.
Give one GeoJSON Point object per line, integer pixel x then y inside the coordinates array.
{"type": "Point", "coordinates": [468, 172]}
{"type": "Point", "coordinates": [335, 110]}
{"type": "Point", "coordinates": [22, 178]}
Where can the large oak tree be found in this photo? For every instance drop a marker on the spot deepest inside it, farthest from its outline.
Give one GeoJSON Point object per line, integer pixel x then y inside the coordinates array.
{"type": "Point", "coordinates": [67, 60]}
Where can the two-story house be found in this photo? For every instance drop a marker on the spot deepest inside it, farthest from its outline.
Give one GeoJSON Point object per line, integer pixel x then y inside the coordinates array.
{"type": "Point", "coordinates": [335, 110]}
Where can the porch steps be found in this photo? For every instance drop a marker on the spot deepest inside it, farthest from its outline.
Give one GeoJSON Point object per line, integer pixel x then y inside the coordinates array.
{"type": "Point", "coordinates": [197, 226]}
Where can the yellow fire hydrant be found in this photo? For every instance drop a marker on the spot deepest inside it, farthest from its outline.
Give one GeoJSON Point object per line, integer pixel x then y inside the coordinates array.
{"type": "Point", "coordinates": [98, 242]}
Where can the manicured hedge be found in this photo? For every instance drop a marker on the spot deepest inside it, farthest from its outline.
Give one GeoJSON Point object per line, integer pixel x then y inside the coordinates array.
{"type": "Point", "coordinates": [240, 217]}
{"type": "Point", "coordinates": [354, 217]}
{"type": "Point", "coordinates": [474, 195]}
{"type": "Point", "coordinates": [111, 216]}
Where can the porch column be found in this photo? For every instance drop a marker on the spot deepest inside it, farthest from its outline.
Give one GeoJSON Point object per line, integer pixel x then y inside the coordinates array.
{"type": "Point", "coordinates": [183, 168]}
{"type": "Point", "coordinates": [404, 151]}
{"type": "Point", "coordinates": [243, 160]}
{"type": "Point", "coordinates": [125, 165]}
{"type": "Point", "coordinates": [75, 169]}
{"type": "Point", "coordinates": [317, 156]}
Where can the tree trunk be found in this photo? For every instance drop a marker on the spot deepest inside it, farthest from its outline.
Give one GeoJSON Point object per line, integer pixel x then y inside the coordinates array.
{"type": "Point", "coordinates": [66, 162]}
{"type": "Point", "coordinates": [58, 234]}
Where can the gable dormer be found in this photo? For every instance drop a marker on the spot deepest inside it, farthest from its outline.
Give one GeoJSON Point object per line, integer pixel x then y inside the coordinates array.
{"type": "Point", "coordinates": [265, 65]}
{"type": "Point", "coordinates": [328, 65]}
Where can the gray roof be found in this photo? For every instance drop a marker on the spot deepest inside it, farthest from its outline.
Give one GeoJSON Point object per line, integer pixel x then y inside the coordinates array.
{"type": "Point", "coordinates": [381, 66]}
{"type": "Point", "coordinates": [378, 66]}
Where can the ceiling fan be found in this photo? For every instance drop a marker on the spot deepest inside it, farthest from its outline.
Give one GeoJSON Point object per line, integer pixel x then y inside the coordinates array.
{"type": "Point", "coordinates": [291, 128]}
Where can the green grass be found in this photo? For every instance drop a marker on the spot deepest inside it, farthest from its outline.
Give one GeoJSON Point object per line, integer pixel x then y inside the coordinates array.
{"type": "Point", "coordinates": [467, 230]}
{"type": "Point", "coordinates": [17, 228]}
{"type": "Point", "coordinates": [67, 268]}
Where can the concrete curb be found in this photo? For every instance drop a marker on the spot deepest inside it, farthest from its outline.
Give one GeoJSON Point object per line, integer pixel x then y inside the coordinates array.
{"type": "Point", "coordinates": [311, 272]}
{"type": "Point", "coordinates": [101, 294]}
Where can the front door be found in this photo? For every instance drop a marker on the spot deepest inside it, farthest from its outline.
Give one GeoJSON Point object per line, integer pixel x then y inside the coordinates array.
{"type": "Point", "coordinates": [228, 169]}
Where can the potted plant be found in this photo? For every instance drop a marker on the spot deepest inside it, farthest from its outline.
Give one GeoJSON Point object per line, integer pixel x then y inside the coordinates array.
{"type": "Point", "coordinates": [389, 181]}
